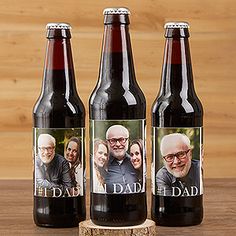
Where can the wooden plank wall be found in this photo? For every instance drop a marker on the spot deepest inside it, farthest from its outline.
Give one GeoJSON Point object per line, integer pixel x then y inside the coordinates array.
{"type": "Point", "coordinates": [22, 51]}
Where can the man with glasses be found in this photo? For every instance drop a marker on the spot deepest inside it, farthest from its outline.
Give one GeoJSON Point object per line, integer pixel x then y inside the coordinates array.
{"type": "Point", "coordinates": [180, 175]}
{"type": "Point", "coordinates": [51, 169]}
{"type": "Point", "coordinates": [121, 176]}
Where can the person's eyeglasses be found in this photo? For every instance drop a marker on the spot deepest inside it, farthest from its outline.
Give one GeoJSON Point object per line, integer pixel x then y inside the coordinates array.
{"type": "Point", "coordinates": [49, 149]}
{"type": "Point", "coordinates": [180, 155]}
{"type": "Point", "coordinates": [113, 141]}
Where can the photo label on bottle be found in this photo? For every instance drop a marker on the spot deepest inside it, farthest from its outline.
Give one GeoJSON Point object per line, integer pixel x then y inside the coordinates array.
{"type": "Point", "coordinates": [58, 162]}
{"type": "Point", "coordinates": [118, 161]}
{"type": "Point", "coordinates": [177, 156]}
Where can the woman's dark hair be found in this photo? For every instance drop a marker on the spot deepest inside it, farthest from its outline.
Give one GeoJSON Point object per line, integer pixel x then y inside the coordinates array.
{"type": "Point", "coordinates": [139, 142]}
{"type": "Point", "coordinates": [78, 158]}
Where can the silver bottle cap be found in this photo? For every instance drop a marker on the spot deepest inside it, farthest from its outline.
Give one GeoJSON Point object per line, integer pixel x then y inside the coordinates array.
{"type": "Point", "coordinates": [176, 25]}
{"type": "Point", "coordinates": [58, 26]}
{"type": "Point", "coordinates": [118, 11]}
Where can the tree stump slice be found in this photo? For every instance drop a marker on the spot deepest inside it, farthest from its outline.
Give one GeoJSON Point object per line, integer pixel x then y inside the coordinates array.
{"type": "Point", "coordinates": [88, 228]}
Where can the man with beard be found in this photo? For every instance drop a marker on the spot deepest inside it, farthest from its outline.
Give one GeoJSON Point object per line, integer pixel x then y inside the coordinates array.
{"type": "Point", "coordinates": [51, 169]}
{"type": "Point", "coordinates": [121, 176]}
{"type": "Point", "coordinates": [180, 175]}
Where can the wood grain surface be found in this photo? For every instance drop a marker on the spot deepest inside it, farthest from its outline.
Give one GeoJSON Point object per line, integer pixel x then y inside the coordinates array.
{"type": "Point", "coordinates": [88, 228]}
{"type": "Point", "coordinates": [219, 211]}
{"type": "Point", "coordinates": [22, 51]}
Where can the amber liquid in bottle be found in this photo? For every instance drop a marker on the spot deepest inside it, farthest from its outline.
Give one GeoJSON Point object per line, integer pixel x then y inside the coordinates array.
{"type": "Point", "coordinates": [109, 102]}
{"type": "Point", "coordinates": [59, 106]}
{"type": "Point", "coordinates": [177, 105]}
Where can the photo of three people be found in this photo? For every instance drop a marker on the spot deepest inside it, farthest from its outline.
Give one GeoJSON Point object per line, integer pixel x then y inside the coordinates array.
{"type": "Point", "coordinates": [118, 162]}
{"type": "Point", "coordinates": [57, 175]}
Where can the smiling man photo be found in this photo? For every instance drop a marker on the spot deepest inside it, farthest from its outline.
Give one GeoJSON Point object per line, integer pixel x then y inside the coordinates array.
{"type": "Point", "coordinates": [180, 175]}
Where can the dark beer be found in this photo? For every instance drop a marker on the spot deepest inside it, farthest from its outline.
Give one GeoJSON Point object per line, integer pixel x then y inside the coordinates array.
{"type": "Point", "coordinates": [177, 116]}
{"type": "Point", "coordinates": [117, 102]}
{"type": "Point", "coordinates": [57, 114]}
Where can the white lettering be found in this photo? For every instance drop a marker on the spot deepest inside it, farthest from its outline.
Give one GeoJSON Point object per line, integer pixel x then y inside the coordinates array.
{"type": "Point", "coordinates": [192, 191]}
{"type": "Point", "coordinates": [174, 192]}
{"type": "Point", "coordinates": [56, 192]}
{"type": "Point", "coordinates": [137, 187]}
{"type": "Point", "coordinates": [75, 192]}
{"type": "Point", "coordinates": [127, 189]}
{"type": "Point", "coordinates": [115, 188]}
{"type": "Point", "coordinates": [186, 192]}
{"type": "Point", "coordinates": [45, 192]}
{"type": "Point", "coordinates": [68, 192]}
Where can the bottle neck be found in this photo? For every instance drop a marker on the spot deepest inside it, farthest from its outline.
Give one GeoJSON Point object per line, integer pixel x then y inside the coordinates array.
{"type": "Point", "coordinates": [116, 64]}
{"type": "Point", "coordinates": [59, 70]}
{"type": "Point", "coordinates": [177, 77]}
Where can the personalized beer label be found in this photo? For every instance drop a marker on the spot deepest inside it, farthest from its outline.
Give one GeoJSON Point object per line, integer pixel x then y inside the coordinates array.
{"type": "Point", "coordinates": [118, 161]}
{"type": "Point", "coordinates": [177, 156]}
{"type": "Point", "coordinates": [58, 162]}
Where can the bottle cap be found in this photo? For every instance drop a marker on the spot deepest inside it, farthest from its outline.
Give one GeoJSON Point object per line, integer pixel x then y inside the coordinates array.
{"type": "Point", "coordinates": [58, 30]}
{"type": "Point", "coordinates": [176, 25]}
{"type": "Point", "coordinates": [116, 11]}
{"type": "Point", "coordinates": [58, 26]}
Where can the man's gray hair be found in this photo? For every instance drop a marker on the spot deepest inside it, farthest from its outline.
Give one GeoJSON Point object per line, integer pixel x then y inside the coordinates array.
{"type": "Point", "coordinates": [46, 136]}
{"type": "Point", "coordinates": [117, 127]}
{"type": "Point", "coordinates": [184, 138]}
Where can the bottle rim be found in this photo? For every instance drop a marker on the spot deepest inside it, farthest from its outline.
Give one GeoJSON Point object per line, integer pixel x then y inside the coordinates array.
{"type": "Point", "coordinates": [58, 26]}
{"type": "Point", "coordinates": [116, 11]}
{"type": "Point", "coordinates": [177, 25]}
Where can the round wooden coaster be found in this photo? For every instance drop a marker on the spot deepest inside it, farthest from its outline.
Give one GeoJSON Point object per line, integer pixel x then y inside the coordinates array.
{"type": "Point", "coordinates": [88, 228]}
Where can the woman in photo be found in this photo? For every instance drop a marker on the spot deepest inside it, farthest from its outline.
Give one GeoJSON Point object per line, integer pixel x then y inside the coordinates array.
{"type": "Point", "coordinates": [72, 155]}
{"type": "Point", "coordinates": [136, 154]}
{"type": "Point", "coordinates": [100, 165]}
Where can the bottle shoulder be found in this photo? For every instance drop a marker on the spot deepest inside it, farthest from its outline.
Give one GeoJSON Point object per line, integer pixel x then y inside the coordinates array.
{"type": "Point", "coordinates": [117, 104]}
{"type": "Point", "coordinates": [129, 96]}
{"type": "Point", "coordinates": [174, 103]}
{"type": "Point", "coordinates": [50, 103]}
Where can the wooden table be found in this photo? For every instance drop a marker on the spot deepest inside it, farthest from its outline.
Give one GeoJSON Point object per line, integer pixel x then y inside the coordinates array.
{"type": "Point", "coordinates": [219, 218]}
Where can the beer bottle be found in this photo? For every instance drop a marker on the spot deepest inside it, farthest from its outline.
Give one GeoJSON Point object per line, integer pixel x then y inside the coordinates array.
{"type": "Point", "coordinates": [177, 120]}
{"type": "Point", "coordinates": [117, 131]}
{"type": "Point", "coordinates": [58, 136]}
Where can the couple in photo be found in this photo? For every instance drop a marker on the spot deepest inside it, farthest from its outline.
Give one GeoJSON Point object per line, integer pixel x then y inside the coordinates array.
{"type": "Point", "coordinates": [55, 171]}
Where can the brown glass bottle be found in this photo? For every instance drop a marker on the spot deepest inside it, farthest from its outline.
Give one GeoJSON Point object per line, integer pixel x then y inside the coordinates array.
{"type": "Point", "coordinates": [59, 106]}
{"type": "Point", "coordinates": [177, 105]}
{"type": "Point", "coordinates": [117, 96]}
